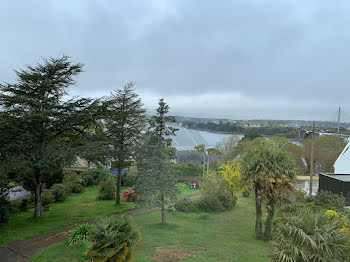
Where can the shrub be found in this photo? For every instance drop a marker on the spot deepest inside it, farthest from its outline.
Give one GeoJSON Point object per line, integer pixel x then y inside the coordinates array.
{"type": "Point", "coordinates": [188, 170]}
{"type": "Point", "coordinates": [129, 195]}
{"type": "Point", "coordinates": [185, 205]}
{"type": "Point", "coordinates": [96, 182]}
{"type": "Point", "coordinates": [309, 236]}
{"type": "Point", "coordinates": [47, 198]}
{"type": "Point", "coordinates": [59, 192]}
{"type": "Point", "coordinates": [79, 235]}
{"type": "Point", "coordinates": [71, 181]}
{"type": "Point", "coordinates": [129, 178]}
{"type": "Point", "coordinates": [88, 179]}
{"type": "Point", "coordinates": [99, 173]}
{"type": "Point", "coordinates": [328, 200]}
{"type": "Point", "coordinates": [5, 208]}
{"type": "Point", "coordinates": [113, 239]}
{"type": "Point", "coordinates": [215, 197]}
{"type": "Point", "coordinates": [77, 188]}
{"type": "Point", "coordinates": [107, 189]}
{"type": "Point", "coordinates": [24, 204]}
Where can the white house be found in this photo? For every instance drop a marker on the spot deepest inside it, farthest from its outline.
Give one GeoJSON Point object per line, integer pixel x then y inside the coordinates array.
{"type": "Point", "coordinates": [342, 164]}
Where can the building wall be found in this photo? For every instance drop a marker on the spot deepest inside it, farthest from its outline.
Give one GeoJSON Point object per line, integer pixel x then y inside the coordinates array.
{"type": "Point", "coordinates": [330, 184]}
{"type": "Point", "coordinates": [335, 186]}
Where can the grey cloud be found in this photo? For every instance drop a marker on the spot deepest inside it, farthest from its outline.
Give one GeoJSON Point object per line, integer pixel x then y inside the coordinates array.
{"type": "Point", "coordinates": [286, 59]}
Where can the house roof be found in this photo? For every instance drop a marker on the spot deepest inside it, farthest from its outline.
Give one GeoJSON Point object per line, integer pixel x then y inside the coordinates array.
{"type": "Point", "coordinates": [339, 177]}
{"type": "Point", "coordinates": [342, 164]}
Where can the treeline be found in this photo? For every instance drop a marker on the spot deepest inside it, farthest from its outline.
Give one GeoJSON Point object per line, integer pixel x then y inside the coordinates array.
{"type": "Point", "coordinates": [42, 132]}
{"type": "Point", "coordinates": [226, 127]}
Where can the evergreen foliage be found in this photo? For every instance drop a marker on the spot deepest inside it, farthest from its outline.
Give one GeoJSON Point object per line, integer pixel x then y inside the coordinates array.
{"type": "Point", "coordinates": [40, 130]}
{"type": "Point", "coordinates": [156, 182]}
{"type": "Point", "coordinates": [124, 123]}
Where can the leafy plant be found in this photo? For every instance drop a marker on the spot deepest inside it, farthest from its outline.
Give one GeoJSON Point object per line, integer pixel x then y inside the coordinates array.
{"type": "Point", "coordinates": [215, 196]}
{"type": "Point", "coordinates": [79, 235]}
{"type": "Point", "coordinates": [329, 200]}
{"type": "Point", "coordinates": [310, 237]}
{"type": "Point", "coordinates": [59, 192]}
{"type": "Point", "coordinates": [129, 195]}
{"type": "Point", "coordinates": [77, 188]}
{"type": "Point", "coordinates": [107, 189]}
{"type": "Point", "coordinates": [5, 208]}
{"type": "Point", "coordinates": [113, 239]}
{"type": "Point", "coordinates": [185, 205]}
{"type": "Point", "coordinates": [88, 179]}
{"type": "Point", "coordinates": [47, 197]}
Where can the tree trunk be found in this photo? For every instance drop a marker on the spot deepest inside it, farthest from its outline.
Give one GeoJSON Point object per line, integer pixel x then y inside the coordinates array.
{"type": "Point", "coordinates": [163, 209]}
{"type": "Point", "coordinates": [119, 182]}
{"type": "Point", "coordinates": [37, 198]}
{"type": "Point", "coordinates": [270, 208]}
{"type": "Point", "coordinates": [258, 221]}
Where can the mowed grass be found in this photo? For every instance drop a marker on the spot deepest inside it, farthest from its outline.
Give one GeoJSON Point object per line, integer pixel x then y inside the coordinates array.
{"type": "Point", "coordinates": [197, 236]}
{"type": "Point", "coordinates": [76, 209]}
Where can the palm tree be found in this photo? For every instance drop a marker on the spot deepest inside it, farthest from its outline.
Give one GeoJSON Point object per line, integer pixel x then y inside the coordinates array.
{"type": "Point", "coordinates": [310, 237]}
{"type": "Point", "coordinates": [113, 239]}
{"type": "Point", "coordinates": [272, 173]}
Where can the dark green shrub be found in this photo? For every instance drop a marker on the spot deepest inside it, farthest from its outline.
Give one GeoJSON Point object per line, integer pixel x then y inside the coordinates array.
{"type": "Point", "coordinates": [59, 192]}
{"type": "Point", "coordinates": [185, 205]}
{"type": "Point", "coordinates": [5, 208]}
{"type": "Point", "coordinates": [77, 188]}
{"type": "Point", "coordinates": [299, 196]}
{"type": "Point", "coordinates": [107, 189]}
{"type": "Point", "coordinates": [99, 174]}
{"type": "Point", "coordinates": [79, 235]}
{"type": "Point", "coordinates": [188, 170]}
{"type": "Point", "coordinates": [215, 197]}
{"type": "Point", "coordinates": [129, 178]}
{"type": "Point", "coordinates": [88, 179]}
{"type": "Point", "coordinates": [24, 204]}
{"type": "Point", "coordinates": [113, 239]}
{"type": "Point", "coordinates": [55, 178]}
{"type": "Point", "coordinates": [71, 181]}
{"type": "Point", "coordinates": [328, 200]}
{"type": "Point", "coordinates": [47, 198]}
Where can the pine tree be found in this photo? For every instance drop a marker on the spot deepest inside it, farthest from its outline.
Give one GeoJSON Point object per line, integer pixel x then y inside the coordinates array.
{"type": "Point", "coordinates": [156, 182]}
{"type": "Point", "coordinates": [41, 131]}
{"type": "Point", "coordinates": [124, 124]}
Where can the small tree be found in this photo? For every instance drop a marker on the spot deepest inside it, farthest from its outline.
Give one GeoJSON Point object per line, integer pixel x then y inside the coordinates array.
{"type": "Point", "coordinates": [41, 131]}
{"type": "Point", "coordinates": [229, 147]}
{"type": "Point", "coordinates": [124, 124]}
{"type": "Point", "coordinates": [156, 182]}
{"type": "Point", "coordinates": [272, 173]}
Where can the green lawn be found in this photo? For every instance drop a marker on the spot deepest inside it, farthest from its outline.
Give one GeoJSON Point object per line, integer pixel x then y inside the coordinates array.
{"type": "Point", "coordinates": [225, 236]}
{"type": "Point", "coordinates": [76, 209]}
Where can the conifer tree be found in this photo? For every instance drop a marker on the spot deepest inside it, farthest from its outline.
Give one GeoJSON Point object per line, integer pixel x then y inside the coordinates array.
{"type": "Point", "coordinates": [41, 130]}
{"type": "Point", "coordinates": [124, 124]}
{"type": "Point", "coordinates": [156, 182]}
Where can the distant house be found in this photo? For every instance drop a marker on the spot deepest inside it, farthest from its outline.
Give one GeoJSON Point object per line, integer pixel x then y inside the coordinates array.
{"type": "Point", "coordinates": [342, 164]}
{"type": "Point", "coordinates": [336, 183]}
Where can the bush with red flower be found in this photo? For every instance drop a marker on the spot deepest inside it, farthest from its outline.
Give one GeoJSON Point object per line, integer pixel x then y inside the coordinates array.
{"type": "Point", "coordinates": [129, 195]}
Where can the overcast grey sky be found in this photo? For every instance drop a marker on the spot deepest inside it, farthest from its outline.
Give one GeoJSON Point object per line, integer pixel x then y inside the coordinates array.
{"type": "Point", "coordinates": [228, 59]}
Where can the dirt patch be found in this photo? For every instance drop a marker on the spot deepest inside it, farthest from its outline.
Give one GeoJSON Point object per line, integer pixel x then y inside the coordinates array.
{"type": "Point", "coordinates": [172, 253]}
{"type": "Point", "coordinates": [90, 204]}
